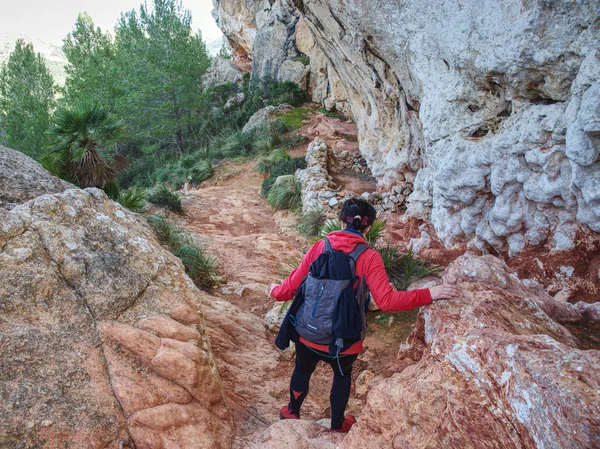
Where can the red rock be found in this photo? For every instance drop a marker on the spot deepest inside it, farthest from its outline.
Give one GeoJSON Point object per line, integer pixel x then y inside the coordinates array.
{"type": "Point", "coordinates": [167, 327]}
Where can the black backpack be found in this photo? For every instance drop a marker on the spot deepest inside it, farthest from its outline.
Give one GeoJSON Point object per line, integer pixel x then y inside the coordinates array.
{"type": "Point", "coordinates": [327, 310]}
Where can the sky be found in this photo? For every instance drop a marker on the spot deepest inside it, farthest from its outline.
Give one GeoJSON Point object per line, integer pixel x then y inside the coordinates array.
{"type": "Point", "coordinates": [51, 20]}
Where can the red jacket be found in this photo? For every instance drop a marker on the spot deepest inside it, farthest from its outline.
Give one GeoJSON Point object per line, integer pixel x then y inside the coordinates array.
{"type": "Point", "coordinates": [370, 265]}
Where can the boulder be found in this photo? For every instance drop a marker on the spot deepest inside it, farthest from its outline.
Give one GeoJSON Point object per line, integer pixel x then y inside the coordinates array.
{"type": "Point", "coordinates": [235, 101]}
{"type": "Point", "coordinates": [492, 368]}
{"type": "Point", "coordinates": [22, 178]}
{"type": "Point", "coordinates": [264, 116]}
{"type": "Point", "coordinates": [220, 72]}
{"type": "Point", "coordinates": [102, 335]}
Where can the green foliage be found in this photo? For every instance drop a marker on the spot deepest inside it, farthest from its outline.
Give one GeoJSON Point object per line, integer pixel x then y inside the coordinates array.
{"type": "Point", "coordinates": [290, 265]}
{"type": "Point", "coordinates": [166, 232]}
{"type": "Point", "coordinates": [295, 117]}
{"type": "Point", "coordinates": [286, 167]}
{"type": "Point", "coordinates": [198, 266]}
{"type": "Point", "coordinates": [375, 231]}
{"type": "Point", "coordinates": [331, 225]}
{"type": "Point", "coordinates": [266, 185]}
{"type": "Point", "coordinates": [264, 163]}
{"type": "Point", "coordinates": [92, 69]}
{"type": "Point", "coordinates": [79, 133]}
{"type": "Point", "coordinates": [294, 140]}
{"type": "Point", "coordinates": [200, 172]}
{"type": "Point", "coordinates": [403, 269]}
{"type": "Point", "coordinates": [26, 99]}
{"type": "Point", "coordinates": [372, 235]}
{"type": "Point", "coordinates": [163, 196]}
{"type": "Point", "coordinates": [112, 190]}
{"type": "Point", "coordinates": [286, 193]}
{"type": "Point", "coordinates": [161, 64]}
{"type": "Point", "coordinates": [311, 222]}
{"type": "Point", "coordinates": [286, 92]}
{"type": "Point", "coordinates": [133, 199]}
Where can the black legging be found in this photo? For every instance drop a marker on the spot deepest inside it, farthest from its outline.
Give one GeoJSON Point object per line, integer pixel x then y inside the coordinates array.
{"type": "Point", "coordinates": [306, 362]}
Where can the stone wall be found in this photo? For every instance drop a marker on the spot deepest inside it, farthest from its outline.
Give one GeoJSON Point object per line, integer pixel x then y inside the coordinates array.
{"type": "Point", "coordinates": [497, 124]}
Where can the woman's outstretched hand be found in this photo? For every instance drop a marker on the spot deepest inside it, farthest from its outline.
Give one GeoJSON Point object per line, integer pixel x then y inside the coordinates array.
{"type": "Point", "coordinates": [444, 291]}
{"type": "Point", "coordinates": [271, 288]}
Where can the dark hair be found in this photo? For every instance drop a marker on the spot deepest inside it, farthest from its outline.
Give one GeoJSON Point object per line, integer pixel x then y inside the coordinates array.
{"type": "Point", "coordinates": [357, 214]}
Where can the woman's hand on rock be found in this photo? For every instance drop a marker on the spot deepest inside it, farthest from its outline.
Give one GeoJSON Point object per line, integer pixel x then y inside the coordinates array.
{"type": "Point", "coordinates": [444, 291]}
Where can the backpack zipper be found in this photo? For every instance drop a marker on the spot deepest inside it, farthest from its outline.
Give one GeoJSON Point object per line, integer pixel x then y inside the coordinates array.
{"type": "Point", "coordinates": [317, 301]}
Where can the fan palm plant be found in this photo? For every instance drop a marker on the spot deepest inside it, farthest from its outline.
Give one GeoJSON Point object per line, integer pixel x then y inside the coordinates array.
{"type": "Point", "coordinates": [78, 133]}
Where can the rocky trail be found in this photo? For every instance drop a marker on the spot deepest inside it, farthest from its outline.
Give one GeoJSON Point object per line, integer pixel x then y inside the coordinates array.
{"type": "Point", "coordinates": [252, 243]}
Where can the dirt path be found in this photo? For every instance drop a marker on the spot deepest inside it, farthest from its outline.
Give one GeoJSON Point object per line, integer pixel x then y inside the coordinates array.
{"type": "Point", "coordinates": [251, 242]}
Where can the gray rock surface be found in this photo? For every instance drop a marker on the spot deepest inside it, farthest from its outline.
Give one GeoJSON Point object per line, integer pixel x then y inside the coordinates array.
{"type": "Point", "coordinates": [499, 105]}
{"type": "Point", "coordinates": [264, 115]}
{"type": "Point", "coordinates": [22, 179]}
{"type": "Point", "coordinates": [220, 72]}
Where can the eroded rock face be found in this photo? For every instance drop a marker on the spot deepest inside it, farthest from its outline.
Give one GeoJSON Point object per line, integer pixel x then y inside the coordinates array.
{"type": "Point", "coordinates": [21, 179]}
{"type": "Point", "coordinates": [102, 337]}
{"type": "Point", "coordinates": [495, 369]}
{"type": "Point", "coordinates": [498, 107]}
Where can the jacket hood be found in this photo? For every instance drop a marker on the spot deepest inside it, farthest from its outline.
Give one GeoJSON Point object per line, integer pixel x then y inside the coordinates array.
{"type": "Point", "coordinates": [345, 241]}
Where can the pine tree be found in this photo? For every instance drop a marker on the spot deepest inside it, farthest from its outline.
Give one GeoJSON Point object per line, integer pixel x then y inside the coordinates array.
{"type": "Point", "coordinates": [91, 72]}
{"type": "Point", "coordinates": [161, 67]}
{"type": "Point", "coordinates": [26, 100]}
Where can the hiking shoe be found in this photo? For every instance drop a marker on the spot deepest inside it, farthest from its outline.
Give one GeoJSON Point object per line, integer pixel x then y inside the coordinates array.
{"type": "Point", "coordinates": [348, 422]}
{"type": "Point", "coordinates": [286, 413]}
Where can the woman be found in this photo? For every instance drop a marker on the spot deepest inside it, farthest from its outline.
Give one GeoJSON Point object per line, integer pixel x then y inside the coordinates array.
{"type": "Point", "coordinates": [356, 215]}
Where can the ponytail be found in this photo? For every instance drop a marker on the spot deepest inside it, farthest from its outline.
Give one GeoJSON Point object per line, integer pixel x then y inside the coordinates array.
{"type": "Point", "coordinates": [357, 214]}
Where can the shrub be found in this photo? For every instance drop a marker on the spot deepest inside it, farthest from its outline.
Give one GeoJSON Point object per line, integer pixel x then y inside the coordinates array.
{"type": "Point", "coordinates": [332, 114]}
{"type": "Point", "coordinates": [372, 235]}
{"type": "Point", "coordinates": [133, 199]}
{"type": "Point", "coordinates": [294, 140]}
{"type": "Point", "coordinates": [311, 222]}
{"type": "Point", "coordinates": [266, 186]}
{"type": "Point", "coordinates": [200, 172]}
{"type": "Point", "coordinates": [286, 193]}
{"type": "Point", "coordinates": [286, 92]}
{"type": "Point", "coordinates": [198, 266]}
{"type": "Point", "coordinates": [112, 190]}
{"type": "Point", "coordinates": [331, 225]}
{"type": "Point", "coordinates": [290, 265]}
{"type": "Point", "coordinates": [235, 144]}
{"type": "Point", "coordinates": [305, 60]}
{"type": "Point", "coordinates": [403, 269]}
{"type": "Point", "coordinates": [163, 196]}
{"type": "Point", "coordinates": [375, 231]}
{"type": "Point", "coordinates": [166, 232]}
{"type": "Point", "coordinates": [264, 163]}
{"type": "Point", "coordinates": [288, 167]}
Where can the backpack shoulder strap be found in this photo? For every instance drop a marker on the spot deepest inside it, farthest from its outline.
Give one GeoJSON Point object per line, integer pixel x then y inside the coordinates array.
{"type": "Point", "coordinates": [328, 246]}
{"type": "Point", "coordinates": [355, 254]}
{"type": "Point", "coordinates": [357, 251]}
